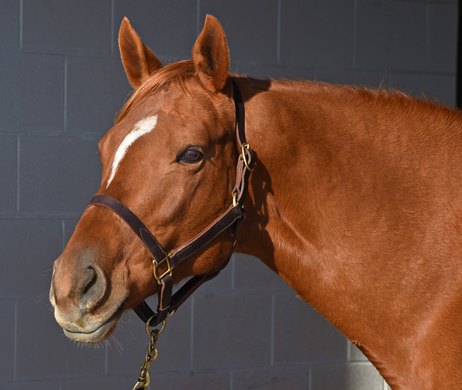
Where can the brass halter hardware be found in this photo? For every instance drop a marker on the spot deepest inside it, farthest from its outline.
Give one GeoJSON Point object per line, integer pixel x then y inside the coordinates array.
{"type": "Point", "coordinates": [155, 268]}
{"type": "Point", "coordinates": [245, 156]}
{"type": "Point", "coordinates": [144, 379]}
{"type": "Point", "coordinates": [235, 198]}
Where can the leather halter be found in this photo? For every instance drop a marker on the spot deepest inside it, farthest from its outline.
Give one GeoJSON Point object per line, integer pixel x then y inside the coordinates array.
{"type": "Point", "coordinates": [164, 262]}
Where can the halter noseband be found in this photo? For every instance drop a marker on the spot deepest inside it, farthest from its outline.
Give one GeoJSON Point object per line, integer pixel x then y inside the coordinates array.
{"type": "Point", "coordinates": [164, 262]}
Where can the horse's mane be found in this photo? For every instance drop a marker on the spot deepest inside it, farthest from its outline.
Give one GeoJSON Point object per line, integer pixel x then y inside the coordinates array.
{"type": "Point", "coordinates": [183, 72]}
{"type": "Point", "coordinates": [179, 72]}
{"type": "Point", "coordinates": [364, 98]}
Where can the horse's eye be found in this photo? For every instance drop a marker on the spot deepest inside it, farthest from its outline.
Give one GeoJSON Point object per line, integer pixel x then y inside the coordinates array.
{"type": "Point", "coordinates": [191, 156]}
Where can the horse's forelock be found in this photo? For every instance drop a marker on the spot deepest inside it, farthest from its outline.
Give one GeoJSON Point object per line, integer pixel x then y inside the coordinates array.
{"type": "Point", "coordinates": [179, 72]}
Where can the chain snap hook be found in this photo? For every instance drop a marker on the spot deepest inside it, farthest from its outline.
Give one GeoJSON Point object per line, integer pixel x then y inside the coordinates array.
{"type": "Point", "coordinates": [144, 379]}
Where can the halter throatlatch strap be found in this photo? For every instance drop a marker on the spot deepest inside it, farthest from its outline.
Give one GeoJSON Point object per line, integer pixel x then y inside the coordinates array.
{"type": "Point", "coordinates": [164, 261]}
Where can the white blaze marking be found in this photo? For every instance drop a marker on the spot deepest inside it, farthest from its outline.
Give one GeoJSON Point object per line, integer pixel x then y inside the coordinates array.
{"type": "Point", "coordinates": [141, 128]}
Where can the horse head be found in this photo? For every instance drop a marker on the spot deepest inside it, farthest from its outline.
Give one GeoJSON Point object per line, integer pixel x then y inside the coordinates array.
{"type": "Point", "coordinates": [170, 158]}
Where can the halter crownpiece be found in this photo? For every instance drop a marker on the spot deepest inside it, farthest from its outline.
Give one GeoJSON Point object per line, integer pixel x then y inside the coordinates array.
{"type": "Point", "coordinates": [164, 262]}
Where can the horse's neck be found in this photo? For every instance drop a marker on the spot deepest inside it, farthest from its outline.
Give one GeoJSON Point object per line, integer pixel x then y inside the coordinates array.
{"type": "Point", "coordinates": [334, 214]}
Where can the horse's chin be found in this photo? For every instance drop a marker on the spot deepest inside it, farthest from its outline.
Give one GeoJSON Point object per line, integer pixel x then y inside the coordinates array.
{"type": "Point", "coordinates": [91, 328]}
{"type": "Point", "coordinates": [97, 333]}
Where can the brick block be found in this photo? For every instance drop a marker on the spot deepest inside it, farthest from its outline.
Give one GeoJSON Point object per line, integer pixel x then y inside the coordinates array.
{"type": "Point", "coordinates": [169, 28]}
{"type": "Point", "coordinates": [437, 87]}
{"type": "Point", "coordinates": [251, 273]}
{"type": "Point", "coordinates": [274, 378]}
{"type": "Point", "coordinates": [67, 26]}
{"type": "Point", "coordinates": [173, 380]}
{"type": "Point", "coordinates": [29, 248]}
{"type": "Point", "coordinates": [442, 37]}
{"type": "Point", "coordinates": [250, 26]}
{"type": "Point", "coordinates": [63, 357]}
{"type": "Point", "coordinates": [216, 380]}
{"type": "Point", "coordinates": [9, 24]}
{"type": "Point", "coordinates": [8, 174]}
{"type": "Point", "coordinates": [31, 92]}
{"type": "Point", "coordinates": [231, 330]}
{"type": "Point", "coordinates": [31, 385]}
{"type": "Point", "coordinates": [317, 32]}
{"type": "Point", "coordinates": [7, 339]}
{"type": "Point", "coordinates": [369, 79]}
{"type": "Point", "coordinates": [101, 382]}
{"type": "Point", "coordinates": [307, 336]}
{"type": "Point", "coordinates": [174, 345]}
{"type": "Point", "coordinates": [351, 376]}
{"type": "Point", "coordinates": [58, 174]}
{"type": "Point", "coordinates": [386, 39]}
{"type": "Point", "coordinates": [96, 90]}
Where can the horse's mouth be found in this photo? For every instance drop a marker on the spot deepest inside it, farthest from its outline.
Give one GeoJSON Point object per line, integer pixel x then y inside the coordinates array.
{"type": "Point", "coordinates": [98, 333]}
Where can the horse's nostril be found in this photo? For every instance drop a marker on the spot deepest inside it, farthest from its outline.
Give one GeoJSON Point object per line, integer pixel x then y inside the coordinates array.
{"type": "Point", "coordinates": [93, 288]}
{"type": "Point", "coordinates": [92, 277]}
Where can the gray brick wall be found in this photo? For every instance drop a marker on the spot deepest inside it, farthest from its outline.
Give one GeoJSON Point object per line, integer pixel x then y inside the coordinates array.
{"type": "Point", "coordinates": [61, 84]}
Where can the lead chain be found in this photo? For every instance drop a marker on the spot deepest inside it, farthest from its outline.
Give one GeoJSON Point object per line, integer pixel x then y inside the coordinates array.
{"type": "Point", "coordinates": [151, 354]}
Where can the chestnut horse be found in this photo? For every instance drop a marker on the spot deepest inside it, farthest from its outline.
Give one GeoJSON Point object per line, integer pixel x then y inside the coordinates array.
{"type": "Point", "coordinates": [355, 201]}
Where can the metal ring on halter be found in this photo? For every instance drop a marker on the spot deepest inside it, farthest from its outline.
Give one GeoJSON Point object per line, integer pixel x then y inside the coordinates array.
{"type": "Point", "coordinates": [148, 326]}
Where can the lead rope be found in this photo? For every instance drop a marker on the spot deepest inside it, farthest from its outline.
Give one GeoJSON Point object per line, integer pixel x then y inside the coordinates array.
{"type": "Point", "coordinates": [144, 379]}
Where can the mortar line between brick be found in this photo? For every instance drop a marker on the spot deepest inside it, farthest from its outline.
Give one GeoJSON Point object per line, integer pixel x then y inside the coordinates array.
{"type": "Point", "coordinates": [63, 233]}
{"type": "Point", "coordinates": [309, 376]}
{"type": "Point", "coordinates": [21, 23]}
{"type": "Point", "coordinates": [15, 345]}
{"type": "Point", "coordinates": [112, 27]}
{"type": "Point", "coordinates": [65, 94]}
{"type": "Point", "coordinates": [191, 335]}
{"type": "Point", "coordinates": [273, 320]}
{"type": "Point", "coordinates": [278, 33]}
{"type": "Point", "coordinates": [106, 359]}
{"type": "Point", "coordinates": [348, 350]}
{"type": "Point", "coordinates": [355, 32]}
{"type": "Point", "coordinates": [18, 171]}
{"type": "Point", "coordinates": [198, 15]}
{"type": "Point", "coordinates": [427, 23]}
{"type": "Point", "coordinates": [233, 272]}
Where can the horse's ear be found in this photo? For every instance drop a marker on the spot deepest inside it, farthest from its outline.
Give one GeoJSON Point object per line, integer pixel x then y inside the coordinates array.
{"type": "Point", "coordinates": [138, 60]}
{"type": "Point", "coordinates": [211, 56]}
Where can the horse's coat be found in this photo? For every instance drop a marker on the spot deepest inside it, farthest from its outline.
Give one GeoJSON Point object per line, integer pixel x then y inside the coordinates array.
{"type": "Point", "coordinates": [355, 201]}
{"type": "Point", "coordinates": [141, 128]}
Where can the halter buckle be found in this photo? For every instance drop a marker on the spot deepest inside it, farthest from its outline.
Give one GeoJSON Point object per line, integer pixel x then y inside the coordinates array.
{"type": "Point", "coordinates": [168, 271]}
